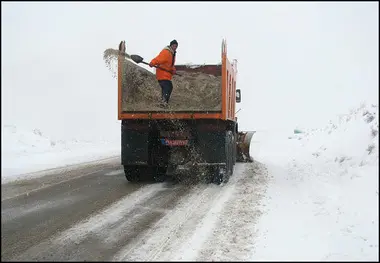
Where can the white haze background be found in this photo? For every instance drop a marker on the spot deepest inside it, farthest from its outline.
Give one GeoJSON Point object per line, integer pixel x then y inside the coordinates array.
{"type": "Point", "coordinates": [299, 64]}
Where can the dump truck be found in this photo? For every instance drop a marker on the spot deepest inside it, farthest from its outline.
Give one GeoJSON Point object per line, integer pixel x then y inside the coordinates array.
{"type": "Point", "coordinates": [188, 139]}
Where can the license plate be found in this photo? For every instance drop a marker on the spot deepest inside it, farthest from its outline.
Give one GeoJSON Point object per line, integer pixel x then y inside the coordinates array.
{"type": "Point", "coordinates": [170, 142]}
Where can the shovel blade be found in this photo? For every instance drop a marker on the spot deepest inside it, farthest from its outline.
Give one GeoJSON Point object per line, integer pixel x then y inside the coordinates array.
{"type": "Point", "coordinates": [137, 58]}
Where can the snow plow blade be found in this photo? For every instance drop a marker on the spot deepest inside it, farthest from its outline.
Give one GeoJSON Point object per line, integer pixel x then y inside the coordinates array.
{"type": "Point", "coordinates": [242, 147]}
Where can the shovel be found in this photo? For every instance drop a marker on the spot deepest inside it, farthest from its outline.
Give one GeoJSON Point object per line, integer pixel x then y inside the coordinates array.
{"type": "Point", "coordinates": [138, 59]}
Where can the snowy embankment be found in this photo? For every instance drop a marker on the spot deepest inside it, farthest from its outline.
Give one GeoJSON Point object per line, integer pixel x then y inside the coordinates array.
{"type": "Point", "coordinates": [27, 151]}
{"type": "Point", "coordinates": [322, 199]}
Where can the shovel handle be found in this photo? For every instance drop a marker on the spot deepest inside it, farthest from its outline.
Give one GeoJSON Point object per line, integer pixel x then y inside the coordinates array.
{"type": "Point", "coordinates": [161, 68]}
{"type": "Point", "coordinates": [137, 59]}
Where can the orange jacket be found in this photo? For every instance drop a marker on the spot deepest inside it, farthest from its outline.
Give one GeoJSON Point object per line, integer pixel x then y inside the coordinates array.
{"type": "Point", "coordinates": [165, 60]}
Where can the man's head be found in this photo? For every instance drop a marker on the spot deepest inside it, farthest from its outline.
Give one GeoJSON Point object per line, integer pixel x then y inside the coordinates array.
{"type": "Point", "coordinates": [174, 44]}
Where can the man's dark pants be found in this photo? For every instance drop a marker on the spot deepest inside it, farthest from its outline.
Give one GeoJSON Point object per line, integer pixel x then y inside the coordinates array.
{"type": "Point", "coordinates": [166, 88]}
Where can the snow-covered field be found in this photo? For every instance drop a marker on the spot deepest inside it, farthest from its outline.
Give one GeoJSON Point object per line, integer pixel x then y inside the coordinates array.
{"type": "Point", "coordinates": [323, 194]}
{"type": "Point", "coordinates": [28, 151]}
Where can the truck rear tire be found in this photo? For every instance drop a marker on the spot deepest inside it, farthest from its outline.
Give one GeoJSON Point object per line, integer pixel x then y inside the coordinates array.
{"type": "Point", "coordinates": [219, 175]}
{"type": "Point", "coordinates": [132, 173]}
{"type": "Point", "coordinates": [222, 175]}
{"type": "Point", "coordinates": [230, 155]}
{"type": "Point", "coordinates": [159, 174]}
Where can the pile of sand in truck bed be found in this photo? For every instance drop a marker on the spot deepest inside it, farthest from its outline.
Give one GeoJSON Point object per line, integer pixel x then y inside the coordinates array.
{"type": "Point", "coordinates": [141, 91]}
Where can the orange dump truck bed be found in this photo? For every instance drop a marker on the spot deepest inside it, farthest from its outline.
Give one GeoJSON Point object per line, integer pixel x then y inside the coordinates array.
{"type": "Point", "coordinates": [226, 70]}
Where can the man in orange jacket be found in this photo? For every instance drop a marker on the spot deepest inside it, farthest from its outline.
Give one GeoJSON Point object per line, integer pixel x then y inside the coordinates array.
{"type": "Point", "coordinates": [166, 60]}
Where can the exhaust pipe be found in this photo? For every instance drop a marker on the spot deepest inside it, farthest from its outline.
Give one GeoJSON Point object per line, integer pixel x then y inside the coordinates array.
{"type": "Point", "coordinates": [242, 147]}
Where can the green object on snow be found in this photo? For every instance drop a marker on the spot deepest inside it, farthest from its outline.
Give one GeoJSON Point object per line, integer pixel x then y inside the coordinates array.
{"type": "Point", "coordinates": [297, 131]}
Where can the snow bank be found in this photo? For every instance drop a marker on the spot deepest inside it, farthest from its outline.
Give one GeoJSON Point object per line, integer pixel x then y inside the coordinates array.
{"type": "Point", "coordinates": [322, 200]}
{"type": "Point", "coordinates": [26, 151]}
{"type": "Point", "coordinates": [351, 138]}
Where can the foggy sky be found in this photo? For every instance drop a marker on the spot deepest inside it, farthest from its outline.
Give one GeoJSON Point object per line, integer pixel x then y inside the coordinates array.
{"type": "Point", "coordinates": [299, 64]}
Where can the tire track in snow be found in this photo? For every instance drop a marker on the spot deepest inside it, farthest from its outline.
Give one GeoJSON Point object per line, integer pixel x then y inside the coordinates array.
{"type": "Point", "coordinates": [191, 235]}
{"type": "Point", "coordinates": [234, 235]}
{"type": "Point", "coordinates": [159, 235]}
{"type": "Point", "coordinates": [187, 249]}
{"type": "Point", "coordinates": [182, 232]}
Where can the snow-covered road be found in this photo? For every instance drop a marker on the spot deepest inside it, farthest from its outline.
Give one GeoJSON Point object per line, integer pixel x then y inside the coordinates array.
{"type": "Point", "coordinates": [98, 215]}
